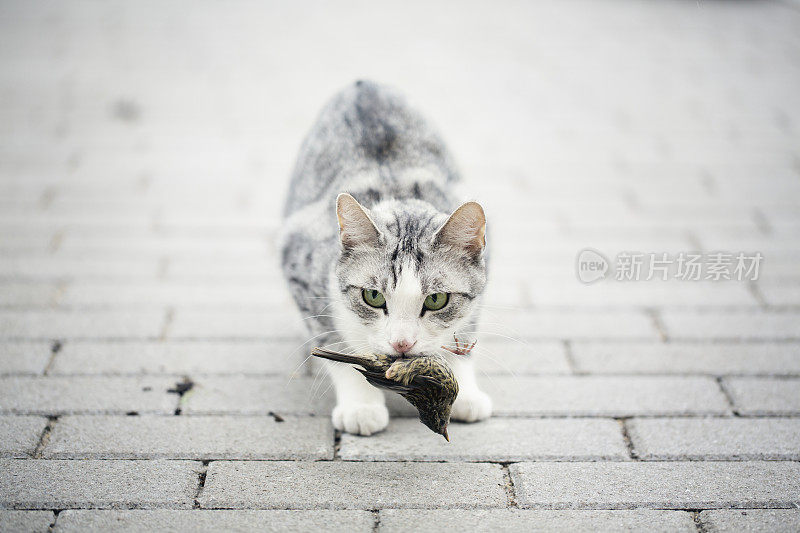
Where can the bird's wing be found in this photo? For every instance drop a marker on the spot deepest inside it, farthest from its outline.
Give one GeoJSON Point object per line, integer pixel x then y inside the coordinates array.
{"type": "Point", "coordinates": [380, 380]}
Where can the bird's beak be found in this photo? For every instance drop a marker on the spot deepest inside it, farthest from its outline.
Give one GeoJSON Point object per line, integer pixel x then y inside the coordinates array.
{"type": "Point", "coordinates": [444, 434]}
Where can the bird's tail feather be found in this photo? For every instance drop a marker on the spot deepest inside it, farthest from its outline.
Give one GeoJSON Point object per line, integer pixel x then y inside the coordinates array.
{"type": "Point", "coordinates": [338, 356]}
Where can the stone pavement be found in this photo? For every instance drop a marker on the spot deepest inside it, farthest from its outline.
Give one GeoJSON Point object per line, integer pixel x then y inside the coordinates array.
{"type": "Point", "coordinates": [151, 362]}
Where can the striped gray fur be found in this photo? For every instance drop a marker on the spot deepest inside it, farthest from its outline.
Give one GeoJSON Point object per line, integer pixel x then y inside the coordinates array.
{"type": "Point", "coordinates": [369, 143]}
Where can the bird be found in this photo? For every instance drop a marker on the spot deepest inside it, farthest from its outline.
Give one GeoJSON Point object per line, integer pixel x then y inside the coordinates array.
{"type": "Point", "coordinates": [424, 380]}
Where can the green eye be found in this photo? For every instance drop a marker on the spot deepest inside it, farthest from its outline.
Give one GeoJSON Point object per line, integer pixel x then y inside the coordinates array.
{"type": "Point", "coordinates": [436, 301]}
{"type": "Point", "coordinates": [373, 297]}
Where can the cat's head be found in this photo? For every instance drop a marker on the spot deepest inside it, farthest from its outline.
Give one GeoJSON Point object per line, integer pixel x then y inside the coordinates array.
{"type": "Point", "coordinates": [408, 276]}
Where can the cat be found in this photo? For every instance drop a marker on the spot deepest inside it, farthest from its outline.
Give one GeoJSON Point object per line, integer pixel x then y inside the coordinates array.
{"type": "Point", "coordinates": [378, 253]}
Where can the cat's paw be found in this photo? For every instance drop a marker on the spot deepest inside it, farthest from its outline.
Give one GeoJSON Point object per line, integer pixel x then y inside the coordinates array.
{"type": "Point", "coordinates": [471, 405]}
{"type": "Point", "coordinates": [360, 418]}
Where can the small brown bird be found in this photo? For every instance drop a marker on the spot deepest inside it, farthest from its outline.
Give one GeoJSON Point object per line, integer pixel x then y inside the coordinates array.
{"type": "Point", "coordinates": [425, 381]}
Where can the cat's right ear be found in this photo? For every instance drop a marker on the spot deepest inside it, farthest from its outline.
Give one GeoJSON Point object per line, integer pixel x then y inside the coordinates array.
{"type": "Point", "coordinates": [355, 226]}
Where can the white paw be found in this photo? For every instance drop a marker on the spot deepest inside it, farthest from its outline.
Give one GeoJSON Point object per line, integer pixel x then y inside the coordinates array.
{"type": "Point", "coordinates": [471, 405]}
{"type": "Point", "coordinates": [360, 418]}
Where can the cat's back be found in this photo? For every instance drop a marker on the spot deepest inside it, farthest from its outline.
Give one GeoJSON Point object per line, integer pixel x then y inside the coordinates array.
{"type": "Point", "coordinates": [368, 140]}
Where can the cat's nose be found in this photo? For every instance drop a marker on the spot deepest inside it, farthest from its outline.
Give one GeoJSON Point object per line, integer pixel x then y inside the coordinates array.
{"type": "Point", "coordinates": [403, 346]}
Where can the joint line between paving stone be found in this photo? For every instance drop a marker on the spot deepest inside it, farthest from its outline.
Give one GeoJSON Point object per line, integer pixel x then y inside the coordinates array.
{"type": "Point", "coordinates": [169, 316]}
{"type": "Point", "coordinates": [570, 357]}
{"type": "Point", "coordinates": [44, 438]}
{"type": "Point", "coordinates": [201, 484]}
{"type": "Point", "coordinates": [376, 520]}
{"type": "Point", "coordinates": [728, 396]}
{"type": "Point", "coordinates": [655, 319]}
{"type": "Point", "coordinates": [698, 523]}
{"type": "Point", "coordinates": [752, 288]}
{"type": "Point", "coordinates": [508, 485]}
{"type": "Point", "coordinates": [626, 436]}
{"type": "Point", "coordinates": [56, 512]}
{"type": "Point", "coordinates": [337, 444]}
{"type": "Point", "coordinates": [55, 347]}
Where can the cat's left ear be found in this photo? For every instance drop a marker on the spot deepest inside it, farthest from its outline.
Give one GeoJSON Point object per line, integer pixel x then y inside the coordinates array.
{"type": "Point", "coordinates": [355, 225]}
{"type": "Point", "coordinates": [465, 229]}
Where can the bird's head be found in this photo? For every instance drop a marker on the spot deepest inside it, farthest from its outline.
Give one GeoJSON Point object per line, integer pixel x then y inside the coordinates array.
{"type": "Point", "coordinates": [436, 418]}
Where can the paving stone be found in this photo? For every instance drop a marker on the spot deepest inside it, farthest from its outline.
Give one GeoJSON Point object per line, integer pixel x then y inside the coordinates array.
{"type": "Point", "coordinates": [743, 325]}
{"type": "Point", "coordinates": [605, 395]}
{"type": "Point", "coordinates": [684, 358]}
{"type": "Point", "coordinates": [243, 520]}
{"type": "Point", "coordinates": [27, 521]}
{"type": "Point", "coordinates": [501, 356]}
{"type": "Point", "coordinates": [623, 295]}
{"type": "Point", "coordinates": [186, 437]}
{"type": "Point", "coordinates": [765, 396]}
{"type": "Point", "coordinates": [19, 435]}
{"type": "Point", "coordinates": [751, 520]}
{"type": "Point", "coordinates": [672, 485]}
{"type": "Point", "coordinates": [333, 485]}
{"type": "Point", "coordinates": [181, 357]}
{"type": "Point", "coordinates": [45, 266]}
{"type": "Point", "coordinates": [258, 396]}
{"type": "Point", "coordinates": [60, 395]}
{"type": "Point", "coordinates": [524, 520]}
{"type": "Point", "coordinates": [716, 438]}
{"type": "Point", "coordinates": [79, 324]}
{"type": "Point", "coordinates": [179, 293]}
{"type": "Point", "coordinates": [780, 293]}
{"type": "Point", "coordinates": [24, 357]}
{"type": "Point", "coordinates": [237, 324]}
{"type": "Point", "coordinates": [567, 324]}
{"type": "Point", "coordinates": [39, 484]}
{"type": "Point", "coordinates": [26, 294]}
{"type": "Point", "coordinates": [497, 439]}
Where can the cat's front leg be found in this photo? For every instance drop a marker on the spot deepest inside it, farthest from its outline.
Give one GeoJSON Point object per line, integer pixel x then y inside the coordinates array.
{"type": "Point", "coordinates": [360, 407]}
{"type": "Point", "coordinates": [472, 404]}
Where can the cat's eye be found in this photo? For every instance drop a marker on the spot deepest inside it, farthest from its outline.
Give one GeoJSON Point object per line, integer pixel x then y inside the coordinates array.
{"type": "Point", "coordinates": [373, 297]}
{"type": "Point", "coordinates": [435, 301]}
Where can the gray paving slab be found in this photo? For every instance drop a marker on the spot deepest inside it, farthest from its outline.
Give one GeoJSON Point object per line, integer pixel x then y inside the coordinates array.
{"type": "Point", "coordinates": [752, 520]}
{"type": "Point", "coordinates": [39, 484]}
{"type": "Point", "coordinates": [604, 395]}
{"type": "Point", "coordinates": [241, 520]}
{"type": "Point", "coordinates": [230, 292]}
{"type": "Point", "coordinates": [24, 357]}
{"type": "Point", "coordinates": [734, 324]}
{"type": "Point", "coordinates": [687, 357]}
{"type": "Point", "coordinates": [524, 520]}
{"type": "Point", "coordinates": [664, 485]}
{"type": "Point", "coordinates": [59, 395]}
{"type": "Point", "coordinates": [187, 437]}
{"type": "Point", "coordinates": [19, 435]}
{"type": "Point", "coordinates": [25, 324]}
{"type": "Point", "coordinates": [613, 295]}
{"type": "Point", "coordinates": [715, 438]}
{"type": "Point", "coordinates": [780, 293]}
{"type": "Point", "coordinates": [346, 485]}
{"type": "Point", "coordinates": [260, 395]}
{"type": "Point", "coordinates": [496, 355]}
{"type": "Point", "coordinates": [496, 439]}
{"type": "Point", "coordinates": [253, 323]}
{"type": "Point", "coordinates": [27, 521]}
{"type": "Point", "coordinates": [189, 357]}
{"type": "Point", "coordinates": [40, 294]}
{"type": "Point", "coordinates": [765, 396]}
{"type": "Point", "coordinates": [568, 324]}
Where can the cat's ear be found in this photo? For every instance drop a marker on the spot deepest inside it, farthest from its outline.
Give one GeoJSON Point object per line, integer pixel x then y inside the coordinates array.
{"type": "Point", "coordinates": [465, 229]}
{"type": "Point", "coordinates": [355, 226]}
